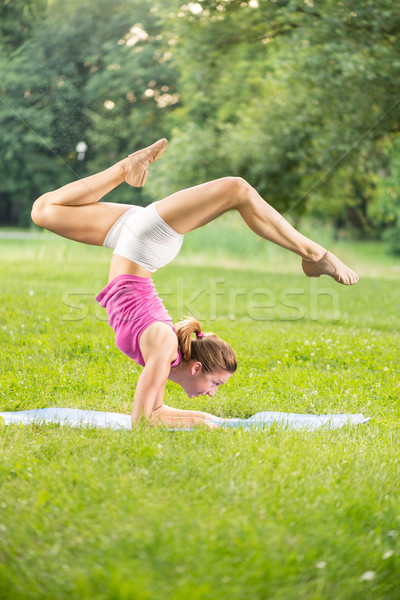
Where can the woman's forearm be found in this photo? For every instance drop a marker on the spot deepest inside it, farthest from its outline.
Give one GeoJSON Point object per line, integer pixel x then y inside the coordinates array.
{"type": "Point", "coordinates": [175, 417]}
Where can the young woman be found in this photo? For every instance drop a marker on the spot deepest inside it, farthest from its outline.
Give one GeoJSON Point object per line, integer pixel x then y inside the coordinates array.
{"type": "Point", "coordinates": [146, 239]}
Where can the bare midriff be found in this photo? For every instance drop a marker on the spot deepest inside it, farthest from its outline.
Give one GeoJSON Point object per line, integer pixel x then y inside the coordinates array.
{"type": "Point", "coordinates": [123, 266]}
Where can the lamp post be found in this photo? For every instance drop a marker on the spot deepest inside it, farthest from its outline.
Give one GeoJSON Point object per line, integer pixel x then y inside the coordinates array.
{"type": "Point", "coordinates": [81, 148]}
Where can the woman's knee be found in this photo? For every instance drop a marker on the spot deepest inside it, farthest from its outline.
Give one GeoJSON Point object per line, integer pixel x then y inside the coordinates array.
{"type": "Point", "coordinates": [40, 210]}
{"type": "Point", "coordinates": [239, 191]}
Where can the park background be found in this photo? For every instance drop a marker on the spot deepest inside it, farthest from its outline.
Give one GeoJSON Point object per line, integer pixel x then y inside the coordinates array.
{"type": "Point", "coordinates": [302, 99]}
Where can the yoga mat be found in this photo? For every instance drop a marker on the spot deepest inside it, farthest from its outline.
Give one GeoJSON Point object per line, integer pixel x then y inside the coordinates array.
{"type": "Point", "coordinates": [94, 418]}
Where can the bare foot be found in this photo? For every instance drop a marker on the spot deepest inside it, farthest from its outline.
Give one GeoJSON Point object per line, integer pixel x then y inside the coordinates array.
{"type": "Point", "coordinates": [329, 264]}
{"type": "Point", "coordinates": [138, 162]}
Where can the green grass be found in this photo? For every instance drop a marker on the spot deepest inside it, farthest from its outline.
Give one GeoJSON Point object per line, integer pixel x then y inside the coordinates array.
{"type": "Point", "coordinates": [154, 514]}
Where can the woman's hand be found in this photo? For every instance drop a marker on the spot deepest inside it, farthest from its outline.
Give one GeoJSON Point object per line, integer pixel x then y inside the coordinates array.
{"type": "Point", "coordinates": [211, 425]}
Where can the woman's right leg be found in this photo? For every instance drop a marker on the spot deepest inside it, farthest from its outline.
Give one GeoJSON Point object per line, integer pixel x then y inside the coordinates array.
{"type": "Point", "coordinates": [74, 211]}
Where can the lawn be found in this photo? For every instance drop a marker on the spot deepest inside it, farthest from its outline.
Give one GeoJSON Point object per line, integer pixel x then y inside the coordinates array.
{"type": "Point", "coordinates": [203, 515]}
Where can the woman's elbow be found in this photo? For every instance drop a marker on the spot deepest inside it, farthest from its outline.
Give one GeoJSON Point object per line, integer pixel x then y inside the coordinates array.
{"type": "Point", "coordinates": [141, 415]}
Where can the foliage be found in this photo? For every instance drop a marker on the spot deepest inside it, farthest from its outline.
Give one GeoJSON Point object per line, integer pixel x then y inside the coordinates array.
{"type": "Point", "coordinates": [17, 19]}
{"type": "Point", "coordinates": [296, 96]}
{"type": "Point", "coordinates": [57, 89]}
{"type": "Point", "coordinates": [132, 89]}
{"type": "Point", "coordinates": [385, 211]}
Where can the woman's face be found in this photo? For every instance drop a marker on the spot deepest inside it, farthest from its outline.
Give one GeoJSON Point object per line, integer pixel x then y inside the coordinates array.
{"type": "Point", "coordinates": [204, 384]}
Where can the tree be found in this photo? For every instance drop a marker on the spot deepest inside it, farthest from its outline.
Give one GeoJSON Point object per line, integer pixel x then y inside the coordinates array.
{"type": "Point", "coordinates": [385, 210]}
{"type": "Point", "coordinates": [294, 95]}
{"type": "Point", "coordinates": [289, 95]}
{"type": "Point", "coordinates": [17, 18]}
{"type": "Point", "coordinates": [81, 74]}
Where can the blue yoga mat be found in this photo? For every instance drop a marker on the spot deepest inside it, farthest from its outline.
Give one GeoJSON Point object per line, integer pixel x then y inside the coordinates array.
{"type": "Point", "coordinates": [94, 418]}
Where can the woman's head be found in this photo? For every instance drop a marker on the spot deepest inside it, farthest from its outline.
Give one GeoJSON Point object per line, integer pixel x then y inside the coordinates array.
{"type": "Point", "coordinates": [207, 348]}
{"type": "Point", "coordinates": [208, 361]}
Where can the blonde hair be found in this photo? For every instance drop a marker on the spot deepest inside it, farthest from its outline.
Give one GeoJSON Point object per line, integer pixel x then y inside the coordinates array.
{"type": "Point", "coordinates": [213, 353]}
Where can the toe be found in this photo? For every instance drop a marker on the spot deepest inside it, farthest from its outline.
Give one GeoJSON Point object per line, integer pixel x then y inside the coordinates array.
{"type": "Point", "coordinates": [158, 148]}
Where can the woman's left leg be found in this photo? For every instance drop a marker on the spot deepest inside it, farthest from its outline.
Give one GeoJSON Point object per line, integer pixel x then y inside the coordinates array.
{"type": "Point", "coordinates": [191, 208]}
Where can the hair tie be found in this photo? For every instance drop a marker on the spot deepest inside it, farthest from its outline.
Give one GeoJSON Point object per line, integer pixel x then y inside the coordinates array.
{"type": "Point", "coordinates": [198, 335]}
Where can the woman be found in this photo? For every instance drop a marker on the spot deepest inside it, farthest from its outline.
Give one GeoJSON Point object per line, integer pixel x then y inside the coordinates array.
{"type": "Point", "coordinates": [145, 239]}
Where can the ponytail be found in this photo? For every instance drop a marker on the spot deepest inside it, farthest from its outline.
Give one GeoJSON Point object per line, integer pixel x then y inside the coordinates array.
{"type": "Point", "coordinates": [213, 353]}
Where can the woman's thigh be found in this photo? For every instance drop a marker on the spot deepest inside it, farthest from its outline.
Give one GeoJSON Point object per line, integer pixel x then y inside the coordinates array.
{"type": "Point", "coordinates": [88, 224]}
{"type": "Point", "coordinates": [193, 207]}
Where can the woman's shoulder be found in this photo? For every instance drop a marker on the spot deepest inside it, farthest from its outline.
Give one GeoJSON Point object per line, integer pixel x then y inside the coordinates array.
{"type": "Point", "coordinates": [159, 338]}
